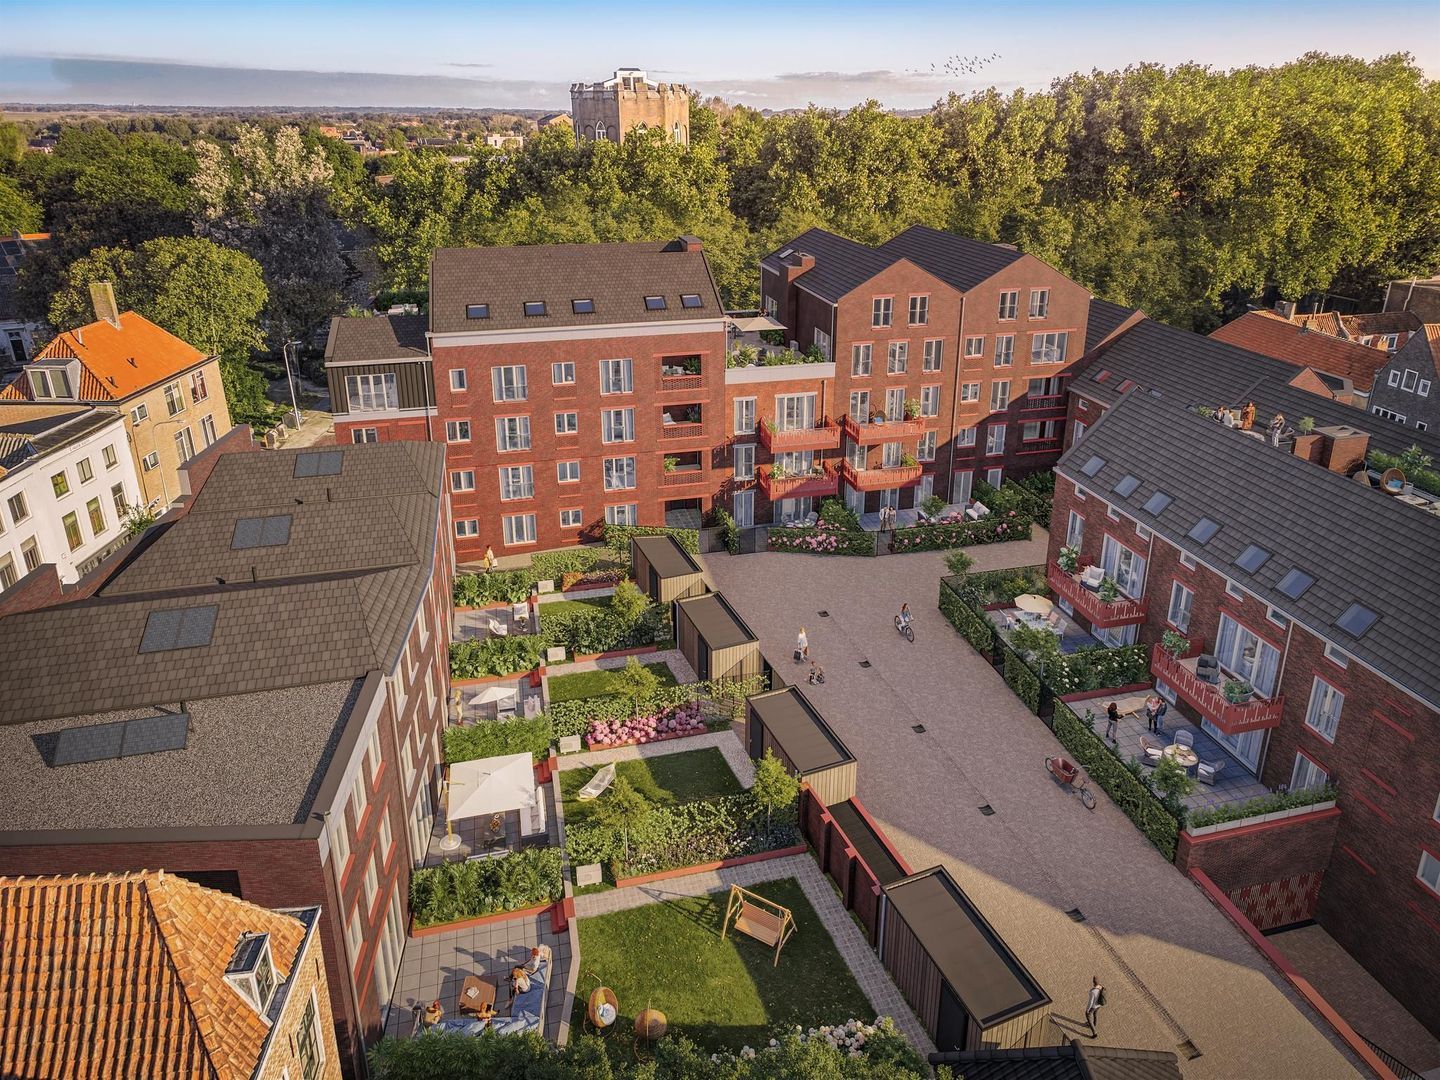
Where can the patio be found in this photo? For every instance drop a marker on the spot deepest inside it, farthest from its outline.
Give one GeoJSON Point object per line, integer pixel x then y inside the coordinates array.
{"type": "Point", "coordinates": [1073, 637]}
{"type": "Point", "coordinates": [477, 837]}
{"type": "Point", "coordinates": [490, 622]}
{"type": "Point", "coordinates": [904, 519]}
{"type": "Point", "coordinates": [494, 701]}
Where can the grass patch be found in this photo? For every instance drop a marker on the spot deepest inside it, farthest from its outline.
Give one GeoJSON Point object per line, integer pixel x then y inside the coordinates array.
{"type": "Point", "coordinates": [721, 994]}
{"type": "Point", "coordinates": [665, 780]}
{"type": "Point", "coordinates": [570, 607]}
{"type": "Point", "coordinates": [585, 684]}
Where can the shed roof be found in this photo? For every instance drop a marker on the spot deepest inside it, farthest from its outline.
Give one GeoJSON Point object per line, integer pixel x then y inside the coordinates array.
{"type": "Point", "coordinates": [666, 557]}
{"type": "Point", "coordinates": [986, 976]}
{"type": "Point", "coordinates": [1076, 1061]}
{"type": "Point", "coordinates": [376, 338]}
{"type": "Point", "coordinates": [717, 622]}
{"type": "Point", "coordinates": [799, 729]}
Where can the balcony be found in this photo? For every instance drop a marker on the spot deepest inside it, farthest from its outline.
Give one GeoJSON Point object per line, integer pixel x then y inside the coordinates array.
{"type": "Point", "coordinates": [680, 422]}
{"type": "Point", "coordinates": [683, 478]}
{"type": "Point", "coordinates": [820, 481]}
{"type": "Point", "coordinates": [1050, 401]}
{"type": "Point", "coordinates": [681, 373]}
{"type": "Point", "coordinates": [1209, 699]}
{"type": "Point", "coordinates": [823, 436]}
{"type": "Point", "coordinates": [881, 431]}
{"type": "Point", "coordinates": [1119, 612]}
{"type": "Point", "coordinates": [881, 479]}
{"type": "Point", "coordinates": [1042, 446]}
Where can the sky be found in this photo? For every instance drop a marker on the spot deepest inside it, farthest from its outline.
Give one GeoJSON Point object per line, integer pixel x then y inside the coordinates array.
{"type": "Point", "coordinates": [770, 54]}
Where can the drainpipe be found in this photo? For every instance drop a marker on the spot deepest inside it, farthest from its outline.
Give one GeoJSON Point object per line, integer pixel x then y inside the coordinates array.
{"type": "Point", "coordinates": [155, 449]}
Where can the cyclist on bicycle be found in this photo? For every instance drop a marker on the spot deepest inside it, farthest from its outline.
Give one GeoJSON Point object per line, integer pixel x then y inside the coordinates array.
{"type": "Point", "coordinates": [904, 616]}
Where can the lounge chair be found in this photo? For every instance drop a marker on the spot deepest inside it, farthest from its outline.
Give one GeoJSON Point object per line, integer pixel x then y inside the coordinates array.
{"type": "Point", "coordinates": [496, 627]}
{"type": "Point", "coordinates": [977, 510]}
{"type": "Point", "coordinates": [1150, 752]}
{"type": "Point", "coordinates": [1207, 771]}
{"type": "Point", "coordinates": [1185, 738]}
{"type": "Point", "coordinates": [520, 614]}
{"type": "Point", "coordinates": [1055, 621]}
{"type": "Point", "coordinates": [1092, 576]}
{"type": "Point", "coordinates": [598, 783]}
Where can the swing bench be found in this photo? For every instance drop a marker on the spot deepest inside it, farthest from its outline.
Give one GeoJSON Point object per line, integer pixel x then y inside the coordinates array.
{"type": "Point", "coordinates": [754, 916]}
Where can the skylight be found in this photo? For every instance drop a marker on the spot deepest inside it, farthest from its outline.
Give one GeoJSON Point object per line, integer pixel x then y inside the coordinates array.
{"type": "Point", "coordinates": [1295, 583]}
{"type": "Point", "coordinates": [1126, 487]}
{"type": "Point", "coordinates": [691, 300]}
{"type": "Point", "coordinates": [1252, 558]}
{"type": "Point", "coordinates": [253, 532]}
{"type": "Point", "coordinates": [128, 738]}
{"type": "Point", "coordinates": [1202, 532]}
{"type": "Point", "coordinates": [534, 307]}
{"type": "Point", "coordinates": [1356, 620]}
{"type": "Point", "coordinates": [179, 628]}
{"type": "Point", "coordinates": [1102, 375]}
{"type": "Point", "coordinates": [1157, 503]}
{"type": "Point", "coordinates": [655, 303]}
{"type": "Point", "coordinates": [1093, 466]}
{"type": "Point", "coordinates": [319, 463]}
{"type": "Point", "coordinates": [477, 311]}
{"type": "Point", "coordinates": [583, 307]}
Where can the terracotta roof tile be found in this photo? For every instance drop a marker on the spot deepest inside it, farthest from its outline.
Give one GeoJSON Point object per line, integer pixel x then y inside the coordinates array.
{"type": "Point", "coordinates": [122, 975]}
{"type": "Point", "coordinates": [1277, 337]}
{"type": "Point", "coordinates": [117, 361]}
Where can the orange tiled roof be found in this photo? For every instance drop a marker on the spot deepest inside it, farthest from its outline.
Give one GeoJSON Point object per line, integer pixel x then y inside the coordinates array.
{"type": "Point", "coordinates": [122, 975]}
{"type": "Point", "coordinates": [1272, 335]}
{"type": "Point", "coordinates": [119, 361]}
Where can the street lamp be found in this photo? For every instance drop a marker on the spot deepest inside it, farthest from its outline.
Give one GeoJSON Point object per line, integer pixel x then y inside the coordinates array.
{"type": "Point", "coordinates": [285, 352]}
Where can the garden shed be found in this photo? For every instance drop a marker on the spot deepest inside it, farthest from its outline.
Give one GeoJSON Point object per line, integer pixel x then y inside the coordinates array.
{"type": "Point", "coordinates": [966, 986]}
{"type": "Point", "coordinates": [714, 639]}
{"type": "Point", "coordinates": [664, 570]}
{"type": "Point", "coordinates": [785, 722]}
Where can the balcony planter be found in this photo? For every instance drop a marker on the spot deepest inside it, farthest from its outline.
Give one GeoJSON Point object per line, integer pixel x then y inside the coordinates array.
{"type": "Point", "coordinates": [1238, 691]}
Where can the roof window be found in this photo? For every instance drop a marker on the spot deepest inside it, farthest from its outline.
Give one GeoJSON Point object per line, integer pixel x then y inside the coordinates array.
{"type": "Point", "coordinates": [691, 300]}
{"type": "Point", "coordinates": [582, 307]}
{"type": "Point", "coordinates": [1295, 583]}
{"type": "Point", "coordinates": [254, 532]}
{"type": "Point", "coordinates": [1356, 620]}
{"type": "Point", "coordinates": [655, 303]}
{"type": "Point", "coordinates": [179, 628]}
{"type": "Point", "coordinates": [1203, 531]}
{"type": "Point", "coordinates": [319, 463]}
{"type": "Point", "coordinates": [1126, 487]}
{"type": "Point", "coordinates": [1093, 466]}
{"type": "Point", "coordinates": [1157, 503]}
{"type": "Point", "coordinates": [1102, 374]}
{"type": "Point", "coordinates": [251, 971]}
{"type": "Point", "coordinates": [1252, 558]}
{"type": "Point", "coordinates": [534, 307]}
{"type": "Point", "coordinates": [128, 738]}
{"type": "Point", "coordinates": [477, 311]}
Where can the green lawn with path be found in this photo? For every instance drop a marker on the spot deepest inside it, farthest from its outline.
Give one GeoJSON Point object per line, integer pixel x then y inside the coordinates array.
{"type": "Point", "coordinates": [720, 994]}
{"type": "Point", "coordinates": [664, 780]}
{"type": "Point", "coordinates": [585, 684]}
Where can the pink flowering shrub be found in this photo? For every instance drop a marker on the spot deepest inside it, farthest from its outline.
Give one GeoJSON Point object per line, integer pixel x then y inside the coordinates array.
{"type": "Point", "coordinates": [954, 530]}
{"type": "Point", "coordinates": [667, 723]}
{"type": "Point", "coordinates": [822, 539]}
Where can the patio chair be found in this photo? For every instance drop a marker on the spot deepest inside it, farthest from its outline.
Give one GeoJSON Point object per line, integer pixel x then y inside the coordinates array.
{"type": "Point", "coordinates": [1055, 621]}
{"type": "Point", "coordinates": [1207, 771]}
{"type": "Point", "coordinates": [597, 785]}
{"type": "Point", "coordinates": [1185, 738]}
{"type": "Point", "coordinates": [496, 627]}
{"type": "Point", "coordinates": [812, 518]}
{"type": "Point", "coordinates": [1092, 577]}
{"type": "Point", "coordinates": [520, 613]}
{"type": "Point", "coordinates": [1207, 669]}
{"type": "Point", "coordinates": [1150, 751]}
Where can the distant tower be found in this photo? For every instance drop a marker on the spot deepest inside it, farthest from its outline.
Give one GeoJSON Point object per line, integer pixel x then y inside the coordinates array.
{"type": "Point", "coordinates": [613, 108]}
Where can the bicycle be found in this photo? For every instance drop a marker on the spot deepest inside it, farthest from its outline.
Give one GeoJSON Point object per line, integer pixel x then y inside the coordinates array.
{"type": "Point", "coordinates": [905, 630]}
{"type": "Point", "coordinates": [1066, 773]}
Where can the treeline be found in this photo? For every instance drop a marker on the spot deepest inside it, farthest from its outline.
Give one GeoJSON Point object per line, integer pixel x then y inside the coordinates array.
{"type": "Point", "coordinates": [1184, 191]}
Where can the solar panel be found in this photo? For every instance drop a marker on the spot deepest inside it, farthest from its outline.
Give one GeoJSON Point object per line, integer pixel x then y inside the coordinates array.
{"type": "Point", "coordinates": [275, 531]}
{"type": "Point", "coordinates": [330, 462]}
{"type": "Point", "coordinates": [98, 743]}
{"type": "Point", "coordinates": [160, 630]}
{"type": "Point", "coordinates": [1252, 558]}
{"type": "Point", "coordinates": [1157, 503]}
{"type": "Point", "coordinates": [1093, 466]}
{"type": "Point", "coordinates": [1356, 620]}
{"type": "Point", "coordinates": [246, 535]}
{"type": "Point", "coordinates": [126, 738]}
{"type": "Point", "coordinates": [319, 463]}
{"type": "Point", "coordinates": [197, 625]}
{"type": "Point", "coordinates": [1295, 583]}
{"type": "Point", "coordinates": [1126, 487]}
{"type": "Point", "coordinates": [179, 628]}
{"type": "Point", "coordinates": [306, 464]}
{"type": "Point", "coordinates": [1202, 532]}
{"type": "Point", "coordinates": [153, 734]}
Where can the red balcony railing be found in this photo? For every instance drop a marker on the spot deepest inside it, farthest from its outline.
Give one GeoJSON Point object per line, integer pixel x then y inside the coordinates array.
{"type": "Point", "coordinates": [815, 485]}
{"type": "Point", "coordinates": [881, 432]}
{"type": "Point", "coordinates": [823, 436]}
{"type": "Point", "coordinates": [881, 479]}
{"type": "Point", "coordinates": [1119, 612]}
{"type": "Point", "coordinates": [681, 431]}
{"type": "Point", "coordinates": [681, 382]}
{"type": "Point", "coordinates": [682, 477]}
{"type": "Point", "coordinates": [1209, 698]}
{"type": "Point", "coordinates": [1042, 446]}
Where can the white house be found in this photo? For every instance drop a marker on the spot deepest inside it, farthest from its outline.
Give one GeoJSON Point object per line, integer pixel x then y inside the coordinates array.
{"type": "Point", "coordinates": [67, 478]}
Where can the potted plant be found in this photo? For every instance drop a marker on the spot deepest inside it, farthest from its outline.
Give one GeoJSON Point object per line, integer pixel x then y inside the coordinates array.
{"type": "Point", "coordinates": [1176, 644]}
{"type": "Point", "coordinates": [778, 472]}
{"type": "Point", "coordinates": [1069, 559]}
{"type": "Point", "coordinates": [1109, 592]}
{"type": "Point", "coordinates": [932, 505]}
{"type": "Point", "coordinates": [1238, 691]}
{"type": "Point", "coordinates": [670, 463]}
{"type": "Point", "coordinates": [1305, 425]}
{"type": "Point", "coordinates": [907, 461]}
{"type": "Point", "coordinates": [912, 408]}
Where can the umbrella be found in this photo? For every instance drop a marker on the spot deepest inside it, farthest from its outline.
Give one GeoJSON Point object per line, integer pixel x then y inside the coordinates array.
{"type": "Point", "coordinates": [491, 786]}
{"type": "Point", "coordinates": [492, 694]}
{"type": "Point", "coordinates": [1030, 602]}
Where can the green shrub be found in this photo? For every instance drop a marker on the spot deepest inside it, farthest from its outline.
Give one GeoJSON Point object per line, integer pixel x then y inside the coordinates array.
{"type": "Point", "coordinates": [729, 531]}
{"type": "Point", "coordinates": [1003, 586]}
{"type": "Point", "coordinates": [1263, 804]}
{"type": "Point", "coordinates": [1022, 680]}
{"type": "Point", "coordinates": [480, 658]}
{"type": "Point", "coordinates": [554, 565]}
{"type": "Point", "coordinates": [468, 890]}
{"type": "Point", "coordinates": [496, 738]}
{"type": "Point", "coordinates": [992, 529]}
{"type": "Point", "coordinates": [834, 512]}
{"type": "Point", "coordinates": [967, 619]}
{"type": "Point", "coordinates": [574, 717]}
{"type": "Point", "coordinates": [617, 538]}
{"type": "Point", "coordinates": [1098, 668]}
{"type": "Point", "coordinates": [1422, 476]}
{"type": "Point", "coordinates": [499, 586]}
{"type": "Point", "coordinates": [821, 540]}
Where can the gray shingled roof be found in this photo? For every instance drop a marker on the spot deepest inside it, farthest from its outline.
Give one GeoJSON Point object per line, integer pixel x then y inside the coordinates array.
{"type": "Point", "coordinates": [840, 264]}
{"type": "Point", "coordinates": [375, 338]}
{"type": "Point", "coordinates": [331, 604]}
{"type": "Point", "coordinates": [617, 277]}
{"type": "Point", "coordinates": [1188, 369]}
{"type": "Point", "coordinates": [1105, 318]}
{"type": "Point", "coordinates": [956, 260]}
{"type": "Point", "coordinates": [29, 431]}
{"type": "Point", "coordinates": [1076, 1061]}
{"type": "Point", "coordinates": [1305, 516]}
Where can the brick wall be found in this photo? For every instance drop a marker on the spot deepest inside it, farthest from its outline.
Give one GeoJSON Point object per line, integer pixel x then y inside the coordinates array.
{"type": "Point", "coordinates": [413, 428]}
{"type": "Point", "coordinates": [284, 1059]}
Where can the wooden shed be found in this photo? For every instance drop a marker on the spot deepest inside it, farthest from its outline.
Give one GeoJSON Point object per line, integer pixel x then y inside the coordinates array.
{"type": "Point", "coordinates": [715, 640]}
{"type": "Point", "coordinates": [664, 570]}
{"type": "Point", "coordinates": [966, 986]}
{"type": "Point", "coordinates": [785, 722]}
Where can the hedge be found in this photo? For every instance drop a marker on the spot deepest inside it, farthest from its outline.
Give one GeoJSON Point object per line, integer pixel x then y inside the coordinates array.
{"type": "Point", "coordinates": [1003, 586]}
{"type": "Point", "coordinates": [992, 529]}
{"type": "Point", "coordinates": [1098, 668]}
{"type": "Point", "coordinates": [1426, 479]}
{"type": "Point", "coordinates": [971, 623]}
{"type": "Point", "coordinates": [513, 586]}
{"type": "Point", "coordinates": [496, 738]}
{"type": "Point", "coordinates": [1022, 680]}
{"type": "Point", "coordinates": [468, 890]}
{"type": "Point", "coordinates": [499, 586]}
{"type": "Point", "coordinates": [818, 540]}
{"type": "Point", "coordinates": [1126, 790]}
{"type": "Point", "coordinates": [479, 658]}
{"type": "Point", "coordinates": [1263, 804]}
{"type": "Point", "coordinates": [729, 530]}
{"type": "Point", "coordinates": [575, 717]}
{"type": "Point", "coordinates": [617, 538]}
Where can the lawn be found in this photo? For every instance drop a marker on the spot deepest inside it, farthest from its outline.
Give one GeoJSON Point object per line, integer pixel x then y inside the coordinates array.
{"type": "Point", "coordinates": [584, 684]}
{"type": "Point", "coordinates": [664, 780]}
{"type": "Point", "coordinates": [570, 607]}
{"type": "Point", "coordinates": [721, 994]}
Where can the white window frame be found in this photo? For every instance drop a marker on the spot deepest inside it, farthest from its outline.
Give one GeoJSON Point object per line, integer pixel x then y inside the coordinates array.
{"type": "Point", "coordinates": [512, 434]}
{"type": "Point", "coordinates": [822, 342]}
{"type": "Point", "coordinates": [860, 399]}
{"type": "Point", "coordinates": [1039, 303]}
{"type": "Point", "coordinates": [1074, 529]}
{"type": "Point", "coordinates": [897, 358]}
{"type": "Point", "coordinates": [744, 461]}
{"type": "Point", "coordinates": [617, 377]}
{"type": "Point", "coordinates": [1428, 872]}
{"type": "Point", "coordinates": [1057, 341]}
{"type": "Point", "coordinates": [925, 449]}
{"type": "Point", "coordinates": [563, 471]}
{"type": "Point", "coordinates": [626, 425]}
{"type": "Point", "coordinates": [1185, 606]}
{"type": "Point", "coordinates": [462, 479]}
{"type": "Point", "coordinates": [466, 528]}
{"type": "Point", "coordinates": [999, 395]}
{"type": "Point", "coordinates": [370, 393]}
{"type": "Point", "coordinates": [567, 423]}
{"type": "Point", "coordinates": [516, 482]}
{"type": "Point", "coordinates": [995, 440]}
{"type": "Point", "coordinates": [562, 373]}
{"type": "Point", "coordinates": [930, 401]}
{"type": "Point", "coordinates": [623, 514]}
{"type": "Point", "coordinates": [919, 312]}
{"type": "Point", "coordinates": [1322, 714]}
{"type": "Point", "coordinates": [862, 360]}
{"type": "Point", "coordinates": [619, 473]}
{"type": "Point", "coordinates": [459, 379]}
{"type": "Point", "coordinates": [1009, 305]}
{"type": "Point", "coordinates": [934, 354]}
{"type": "Point", "coordinates": [966, 436]}
{"type": "Point", "coordinates": [572, 517]}
{"type": "Point", "coordinates": [518, 529]}
{"type": "Point", "coordinates": [1336, 657]}
{"type": "Point", "coordinates": [882, 311]}
{"type": "Point", "coordinates": [995, 476]}
{"type": "Point", "coordinates": [1004, 350]}
{"type": "Point", "coordinates": [457, 431]}
{"type": "Point", "coordinates": [974, 346]}
{"type": "Point", "coordinates": [509, 382]}
{"type": "Point", "coordinates": [744, 416]}
{"type": "Point", "coordinates": [969, 393]}
{"type": "Point", "coordinates": [1306, 773]}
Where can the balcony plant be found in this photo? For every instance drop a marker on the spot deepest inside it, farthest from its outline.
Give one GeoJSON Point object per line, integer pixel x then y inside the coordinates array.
{"type": "Point", "coordinates": [670, 463]}
{"type": "Point", "coordinates": [912, 408]}
{"type": "Point", "coordinates": [907, 461]}
{"type": "Point", "coordinates": [1108, 592]}
{"type": "Point", "coordinates": [1305, 425]}
{"type": "Point", "coordinates": [778, 472]}
{"type": "Point", "coordinates": [1069, 559]}
{"type": "Point", "coordinates": [1176, 644]}
{"type": "Point", "coordinates": [932, 505]}
{"type": "Point", "coordinates": [1238, 691]}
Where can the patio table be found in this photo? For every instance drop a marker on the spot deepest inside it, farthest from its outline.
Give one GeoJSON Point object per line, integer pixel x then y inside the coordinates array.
{"type": "Point", "coordinates": [476, 995]}
{"type": "Point", "coordinates": [1183, 755]}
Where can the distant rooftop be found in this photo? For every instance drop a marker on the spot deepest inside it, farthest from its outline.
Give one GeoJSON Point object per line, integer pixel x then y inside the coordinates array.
{"type": "Point", "coordinates": [29, 432]}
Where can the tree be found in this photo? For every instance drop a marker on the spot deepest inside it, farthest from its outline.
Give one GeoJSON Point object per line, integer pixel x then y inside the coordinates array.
{"type": "Point", "coordinates": [628, 604]}
{"type": "Point", "coordinates": [12, 145]}
{"type": "Point", "coordinates": [18, 211]}
{"type": "Point", "coordinates": [623, 808]}
{"type": "Point", "coordinates": [638, 684]}
{"type": "Point", "coordinates": [774, 788]}
{"type": "Point", "coordinates": [1171, 780]}
{"type": "Point", "coordinates": [958, 563]}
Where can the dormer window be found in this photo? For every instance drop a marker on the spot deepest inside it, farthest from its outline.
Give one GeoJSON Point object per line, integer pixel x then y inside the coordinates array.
{"type": "Point", "coordinates": [477, 311]}
{"type": "Point", "coordinates": [252, 971]}
{"type": "Point", "coordinates": [534, 307]}
{"type": "Point", "coordinates": [654, 303]}
{"type": "Point", "coordinates": [50, 383]}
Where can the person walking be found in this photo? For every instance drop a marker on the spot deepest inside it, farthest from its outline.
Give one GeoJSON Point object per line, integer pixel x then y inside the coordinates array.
{"type": "Point", "coordinates": [1093, 1006]}
{"type": "Point", "coordinates": [490, 561]}
{"type": "Point", "coordinates": [1112, 723]}
{"type": "Point", "coordinates": [802, 646]}
{"type": "Point", "coordinates": [1160, 709]}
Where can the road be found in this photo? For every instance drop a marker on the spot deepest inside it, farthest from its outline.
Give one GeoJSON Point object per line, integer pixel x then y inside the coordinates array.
{"type": "Point", "coordinates": [1174, 968]}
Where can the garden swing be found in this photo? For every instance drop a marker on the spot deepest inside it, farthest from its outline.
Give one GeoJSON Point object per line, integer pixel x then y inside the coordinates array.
{"type": "Point", "coordinates": [764, 920]}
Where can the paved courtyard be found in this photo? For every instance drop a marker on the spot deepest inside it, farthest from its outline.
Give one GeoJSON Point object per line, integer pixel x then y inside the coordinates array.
{"type": "Point", "coordinates": [1175, 969]}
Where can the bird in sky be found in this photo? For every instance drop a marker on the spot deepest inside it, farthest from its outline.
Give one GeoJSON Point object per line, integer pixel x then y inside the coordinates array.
{"type": "Point", "coordinates": [957, 65]}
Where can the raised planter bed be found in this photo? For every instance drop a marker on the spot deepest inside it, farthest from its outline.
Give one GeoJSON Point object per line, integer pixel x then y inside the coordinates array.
{"type": "Point", "coordinates": [1260, 819]}
{"type": "Point", "coordinates": [481, 920]}
{"type": "Point", "coordinates": [641, 650]}
{"type": "Point", "coordinates": [637, 742]}
{"type": "Point", "coordinates": [487, 679]}
{"type": "Point", "coordinates": [702, 868]}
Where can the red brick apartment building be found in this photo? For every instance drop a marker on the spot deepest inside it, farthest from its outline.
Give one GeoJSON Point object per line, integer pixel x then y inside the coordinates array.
{"type": "Point", "coordinates": [252, 700]}
{"type": "Point", "coordinates": [1322, 593]}
{"type": "Point", "coordinates": [577, 385]}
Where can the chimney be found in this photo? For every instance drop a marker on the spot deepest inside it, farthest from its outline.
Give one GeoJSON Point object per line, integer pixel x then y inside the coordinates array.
{"type": "Point", "coordinates": [691, 243]}
{"type": "Point", "coordinates": [797, 264]}
{"type": "Point", "coordinates": [1285, 309]}
{"type": "Point", "coordinates": [1344, 448]}
{"type": "Point", "coordinates": [102, 296]}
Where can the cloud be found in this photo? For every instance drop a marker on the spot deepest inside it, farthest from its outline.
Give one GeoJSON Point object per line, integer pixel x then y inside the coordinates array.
{"type": "Point", "coordinates": [462, 63]}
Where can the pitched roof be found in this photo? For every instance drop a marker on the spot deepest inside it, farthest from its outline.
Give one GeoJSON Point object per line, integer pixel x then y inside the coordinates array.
{"type": "Point", "coordinates": [1270, 335]}
{"type": "Point", "coordinates": [29, 432]}
{"type": "Point", "coordinates": [616, 277]}
{"type": "Point", "coordinates": [1380, 322]}
{"type": "Point", "coordinates": [954, 259]}
{"type": "Point", "coordinates": [1190, 369]}
{"type": "Point", "coordinates": [117, 362]}
{"type": "Point", "coordinates": [330, 602]}
{"type": "Point", "coordinates": [1307, 517]}
{"type": "Point", "coordinates": [1105, 318]}
{"type": "Point", "coordinates": [124, 975]}
{"type": "Point", "coordinates": [1075, 1061]}
{"type": "Point", "coordinates": [841, 264]}
{"type": "Point", "coordinates": [376, 338]}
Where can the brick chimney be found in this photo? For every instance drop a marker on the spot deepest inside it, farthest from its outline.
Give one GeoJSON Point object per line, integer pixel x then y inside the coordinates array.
{"type": "Point", "coordinates": [796, 263]}
{"type": "Point", "coordinates": [102, 296]}
{"type": "Point", "coordinates": [1339, 448]}
{"type": "Point", "coordinates": [691, 243]}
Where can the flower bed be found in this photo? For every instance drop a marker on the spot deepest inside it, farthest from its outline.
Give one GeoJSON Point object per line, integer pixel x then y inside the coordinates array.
{"type": "Point", "coordinates": [1097, 668]}
{"type": "Point", "coordinates": [1261, 805]}
{"type": "Point", "coordinates": [670, 723]}
{"type": "Point", "coordinates": [955, 530]}
{"type": "Point", "coordinates": [821, 539]}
